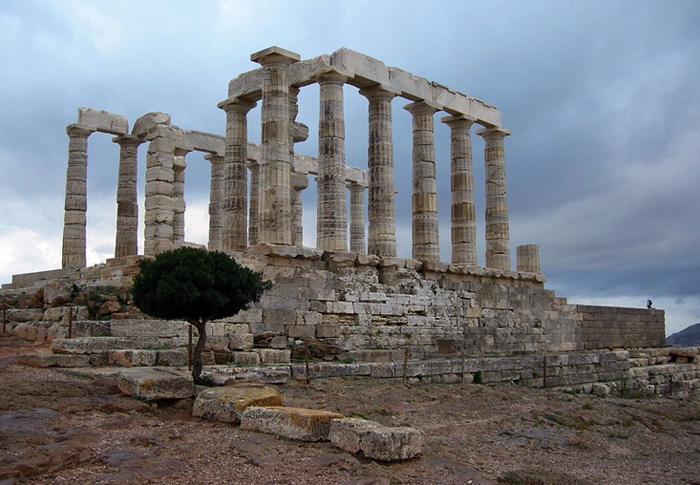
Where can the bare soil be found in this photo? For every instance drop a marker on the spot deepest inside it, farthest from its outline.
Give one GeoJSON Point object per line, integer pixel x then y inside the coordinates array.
{"type": "Point", "coordinates": [56, 428]}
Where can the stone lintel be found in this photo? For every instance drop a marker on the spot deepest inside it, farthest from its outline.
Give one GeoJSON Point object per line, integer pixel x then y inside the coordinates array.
{"type": "Point", "coordinates": [275, 54]}
{"type": "Point", "coordinates": [203, 142]}
{"type": "Point", "coordinates": [103, 121]}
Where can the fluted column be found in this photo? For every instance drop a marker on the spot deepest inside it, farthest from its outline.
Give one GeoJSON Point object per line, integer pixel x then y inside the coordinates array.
{"type": "Point", "coordinates": [381, 209]}
{"type": "Point", "coordinates": [127, 197]}
{"type": "Point", "coordinates": [331, 213]}
{"type": "Point", "coordinates": [75, 216]}
{"type": "Point", "coordinates": [357, 218]}
{"type": "Point", "coordinates": [528, 258]}
{"type": "Point", "coordinates": [235, 197]}
{"type": "Point", "coordinates": [179, 166]}
{"type": "Point", "coordinates": [299, 183]}
{"type": "Point", "coordinates": [160, 206]}
{"type": "Point", "coordinates": [216, 186]}
{"type": "Point", "coordinates": [497, 237]}
{"type": "Point", "coordinates": [463, 209]}
{"type": "Point", "coordinates": [254, 215]}
{"type": "Point", "coordinates": [275, 225]}
{"type": "Point", "coordinates": [425, 224]}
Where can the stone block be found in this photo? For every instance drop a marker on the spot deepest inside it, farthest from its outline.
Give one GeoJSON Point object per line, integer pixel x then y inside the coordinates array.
{"type": "Point", "coordinates": [227, 404]}
{"type": "Point", "coordinates": [132, 358]}
{"type": "Point", "coordinates": [54, 360]}
{"type": "Point", "coordinates": [294, 423]}
{"type": "Point", "coordinates": [240, 341]}
{"type": "Point", "coordinates": [60, 314]}
{"type": "Point", "coordinates": [274, 356]}
{"type": "Point", "coordinates": [103, 121]}
{"type": "Point", "coordinates": [172, 357]}
{"type": "Point", "coordinates": [246, 358]}
{"type": "Point", "coordinates": [22, 315]}
{"type": "Point", "coordinates": [376, 441]}
{"type": "Point", "coordinates": [154, 384]}
{"type": "Point", "coordinates": [87, 345]}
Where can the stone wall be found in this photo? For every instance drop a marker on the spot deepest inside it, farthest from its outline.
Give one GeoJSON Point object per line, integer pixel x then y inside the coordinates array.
{"type": "Point", "coordinates": [614, 327]}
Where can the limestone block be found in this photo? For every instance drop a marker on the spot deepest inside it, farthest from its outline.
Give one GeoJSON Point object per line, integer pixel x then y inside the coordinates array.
{"type": "Point", "coordinates": [301, 73]}
{"type": "Point", "coordinates": [154, 384]}
{"type": "Point", "coordinates": [172, 357]}
{"type": "Point", "coordinates": [54, 360]}
{"type": "Point", "coordinates": [145, 123]}
{"type": "Point", "coordinates": [154, 328]}
{"type": "Point", "coordinates": [240, 341]}
{"type": "Point", "coordinates": [60, 314]}
{"type": "Point", "coordinates": [246, 358]}
{"type": "Point", "coordinates": [246, 83]}
{"type": "Point", "coordinates": [412, 87]}
{"type": "Point", "coordinates": [57, 289]}
{"type": "Point", "coordinates": [86, 345]}
{"type": "Point", "coordinates": [203, 142]}
{"type": "Point", "coordinates": [132, 358]}
{"type": "Point", "coordinates": [103, 121]}
{"type": "Point", "coordinates": [20, 315]}
{"type": "Point", "coordinates": [376, 441]}
{"type": "Point", "coordinates": [227, 404]}
{"type": "Point", "coordinates": [294, 423]}
{"type": "Point", "coordinates": [274, 356]}
{"type": "Point", "coordinates": [361, 66]}
{"type": "Point", "coordinates": [368, 259]}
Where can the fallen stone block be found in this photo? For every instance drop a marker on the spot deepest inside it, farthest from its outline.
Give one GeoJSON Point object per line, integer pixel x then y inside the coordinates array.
{"type": "Point", "coordinates": [54, 360]}
{"type": "Point", "coordinates": [295, 423]}
{"type": "Point", "coordinates": [153, 384]}
{"type": "Point", "coordinates": [376, 441]}
{"type": "Point", "coordinates": [132, 358]}
{"type": "Point", "coordinates": [227, 404]}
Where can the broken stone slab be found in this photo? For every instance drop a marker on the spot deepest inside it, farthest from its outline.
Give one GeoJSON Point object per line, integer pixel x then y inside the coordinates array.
{"type": "Point", "coordinates": [294, 423]}
{"type": "Point", "coordinates": [54, 360]}
{"type": "Point", "coordinates": [132, 357]}
{"type": "Point", "coordinates": [103, 121]}
{"type": "Point", "coordinates": [227, 404]}
{"type": "Point", "coordinates": [376, 441]}
{"type": "Point", "coordinates": [154, 384]}
{"type": "Point", "coordinates": [146, 122]}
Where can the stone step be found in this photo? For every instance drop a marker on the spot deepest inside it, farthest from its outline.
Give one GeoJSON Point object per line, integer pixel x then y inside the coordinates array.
{"type": "Point", "coordinates": [153, 384]}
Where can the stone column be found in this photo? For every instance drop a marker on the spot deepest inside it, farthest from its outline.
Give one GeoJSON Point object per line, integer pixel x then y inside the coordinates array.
{"type": "Point", "coordinates": [463, 209]}
{"type": "Point", "coordinates": [160, 206]}
{"type": "Point", "coordinates": [235, 198]}
{"type": "Point", "coordinates": [357, 218]}
{"type": "Point", "coordinates": [497, 237]}
{"type": "Point", "coordinates": [75, 216]}
{"type": "Point", "coordinates": [215, 202]}
{"type": "Point", "coordinates": [528, 258]}
{"type": "Point", "coordinates": [179, 166]}
{"type": "Point", "coordinates": [275, 225]}
{"type": "Point", "coordinates": [382, 216]}
{"type": "Point", "coordinates": [254, 216]}
{"type": "Point", "coordinates": [299, 183]}
{"type": "Point", "coordinates": [127, 197]}
{"type": "Point", "coordinates": [331, 213]}
{"type": "Point", "coordinates": [425, 224]}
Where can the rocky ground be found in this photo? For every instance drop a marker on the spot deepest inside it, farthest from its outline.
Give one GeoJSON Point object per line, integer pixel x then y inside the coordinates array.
{"type": "Point", "coordinates": [56, 428]}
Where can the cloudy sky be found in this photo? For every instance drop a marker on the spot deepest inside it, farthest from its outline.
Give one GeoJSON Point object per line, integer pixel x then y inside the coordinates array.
{"type": "Point", "coordinates": [602, 98]}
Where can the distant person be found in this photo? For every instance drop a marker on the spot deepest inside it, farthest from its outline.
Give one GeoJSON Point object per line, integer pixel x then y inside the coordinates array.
{"type": "Point", "coordinates": [649, 304]}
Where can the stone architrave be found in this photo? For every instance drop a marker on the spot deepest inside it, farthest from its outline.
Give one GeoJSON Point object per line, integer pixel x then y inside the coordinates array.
{"type": "Point", "coordinates": [127, 197]}
{"type": "Point", "coordinates": [75, 218]}
{"type": "Point", "coordinates": [235, 198]}
{"type": "Point", "coordinates": [331, 219]}
{"type": "Point", "coordinates": [497, 231]}
{"type": "Point", "coordinates": [179, 166]}
{"type": "Point", "coordinates": [463, 210]}
{"type": "Point", "coordinates": [299, 183]}
{"type": "Point", "coordinates": [275, 224]}
{"type": "Point", "coordinates": [215, 202]}
{"type": "Point", "coordinates": [254, 208]}
{"type": "Point", "coordinates": [160, 206]}
{"type": "Point", "coordinates": [425, 224]}
{"type": "Point", "coordinates": [381, 206]}
{"type": "Point", "coordinates": [357, 218]}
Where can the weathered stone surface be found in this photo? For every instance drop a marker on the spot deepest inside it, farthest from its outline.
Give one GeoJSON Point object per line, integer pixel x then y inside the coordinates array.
{"type": "Point", "coordinates": [85, 345]}
{"type": "Point", "coordinates": [24, 314]}
{"type": "Point", "coordinates": [54, 360]}
{"type": "Point", "coordinates": [154, 384]}
{"type": "Point", "coordinates": [103, 121]}
{"type": "Point", "coordinates": [146, 122]}
{"type": "Point", "coordinates": [61, 314]}
{"type": "Point", "coordinates": [376, 441]}
{"type": "Point", "coordinates": [172, 357]}
{"type": "Point", "coordinates": [294, 423]}
{"type": "Point", "coordinates": [274, 356]}
{"type": "Point", "coordinates": [132, 358]}
{"type": "Point", "coordinates": [246, 358]}
{"type": "Point", "coordinates": [227, 404]}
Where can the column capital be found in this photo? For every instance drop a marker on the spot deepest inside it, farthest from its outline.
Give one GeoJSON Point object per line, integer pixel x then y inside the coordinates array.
{"type": "Point", "coordinates": [458, 120]}
{"type": "Point", "coordinates": [421, 107]}
{"type": "Point", "coordinates": [239, 105]}
{"type": "Point", "coordinates": [379, 91]}
{"type": "Point", "coordinates": [493, 132]}
{"type": "Point", "coordinates": [275, 54]}
{"type": "Point", "coordinates": [79, 130]}
{"type": "Point", "coordinates": [332, 76]}
{"type": "Point", "coordinates": [128, 140]}
{"type": "Point", "coordinates": [214, 158]}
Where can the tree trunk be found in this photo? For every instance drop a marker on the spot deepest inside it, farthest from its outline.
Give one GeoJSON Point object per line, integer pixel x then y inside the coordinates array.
{"type": "Point", "coordinates": [197, 355]}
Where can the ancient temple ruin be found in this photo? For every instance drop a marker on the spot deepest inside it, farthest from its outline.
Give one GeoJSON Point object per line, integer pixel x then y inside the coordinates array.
{"type": "Point", "coordinates": [351, 289]}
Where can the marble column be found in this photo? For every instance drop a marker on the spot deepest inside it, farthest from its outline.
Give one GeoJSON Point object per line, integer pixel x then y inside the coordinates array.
{"type": "Point", "coordinates": [357, 218]}
{"type": "Point", "coordinates": [528, 258]}
{"type": "Point", "coordinates": [160, 175]}
{"type": "Point", "coordinates": [216, 191]}
{"type": "Point", "coordinates": [331, 213]}
{"type": "Point", "coordinates": [463, 209]}
{"type": "Point", "coordinates": [254, 214]}
{"type": "Point", "coordinates": [234, 236]}
{"type": "Point", "coordinates": [127, 197]}
{"type": "Point", "coordinates": [425, 224]}
{"type": "Point", "coordinates": [380, 161]}
{"type": "Point", "coordinates": [179, 166]}
{"type": "Point", "coordinates": [299, 182]}
{"type": "Point", "coordinates": [497, 237]}
{"type": "Point", "coordinates": [75, 216]}
{"type": "Point", "coordinates": [275, 225]}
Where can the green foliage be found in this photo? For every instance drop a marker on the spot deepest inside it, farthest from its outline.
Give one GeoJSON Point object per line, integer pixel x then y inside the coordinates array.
{"type": "Point", "coordinates": [195, 285]}
{"type": "Point", "coordinates": [478, 377]}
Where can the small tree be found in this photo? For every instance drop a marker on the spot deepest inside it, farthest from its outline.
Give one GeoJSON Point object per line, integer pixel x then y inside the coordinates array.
{"type": "Point", "coordinates": [197, 286]}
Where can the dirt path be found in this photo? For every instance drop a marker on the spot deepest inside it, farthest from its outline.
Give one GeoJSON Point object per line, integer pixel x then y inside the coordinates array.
{"type": "Point", "coordinates": [56, 428]}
